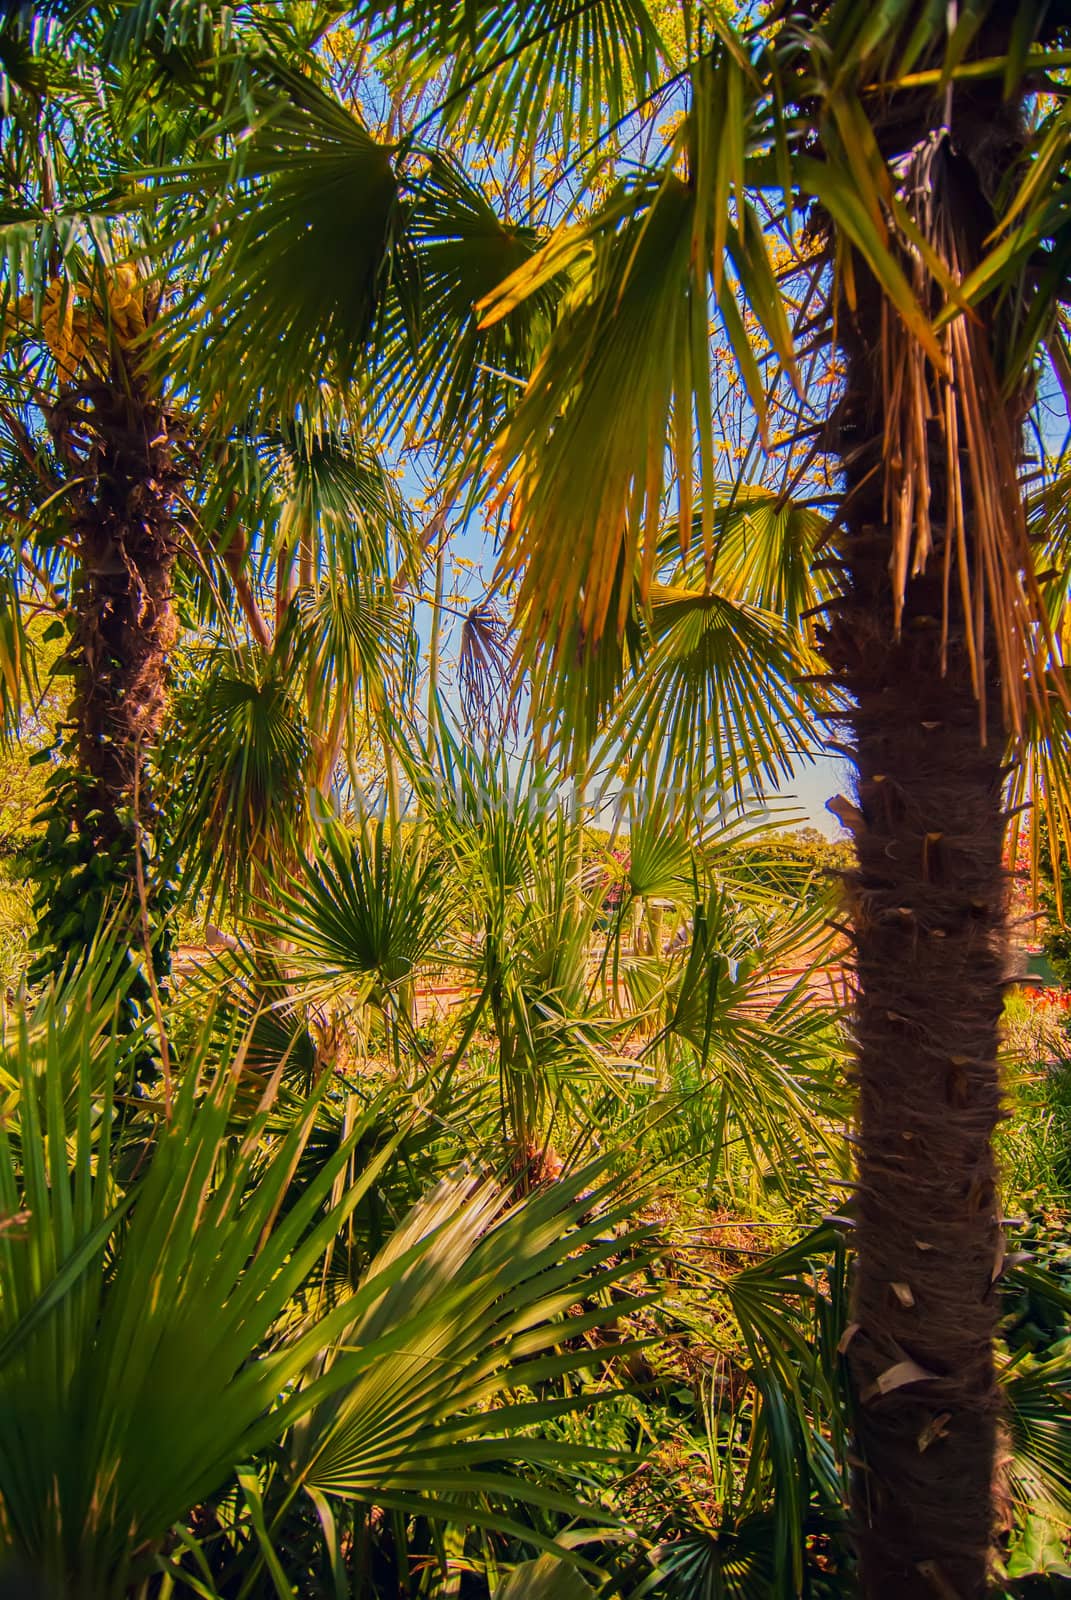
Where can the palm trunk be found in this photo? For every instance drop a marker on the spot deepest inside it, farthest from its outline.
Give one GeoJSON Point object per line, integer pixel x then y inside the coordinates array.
{"type": "Point", "coordinates": [125, 622]}
{"type": "Point", "coordinates": [928, 909]}
{"type": "Point", "coordinates": [116, 433]}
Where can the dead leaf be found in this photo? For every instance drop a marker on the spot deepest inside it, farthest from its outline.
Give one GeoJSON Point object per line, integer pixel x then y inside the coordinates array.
{"type": "Point", "coordinates": [998, 1258]}
{"type": "Point", "coordinates": [896, 1376]}
{"type": "Point", "coordinates": [847, 1336]}
{"type": "Point", "coordinates": [936, 1428]}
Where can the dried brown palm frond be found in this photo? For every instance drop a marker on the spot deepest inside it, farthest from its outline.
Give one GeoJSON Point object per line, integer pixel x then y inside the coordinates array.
{"type": "Point", "coordinates": [960, 400]}
{"type": "Point", "coordinates": [485, 671]}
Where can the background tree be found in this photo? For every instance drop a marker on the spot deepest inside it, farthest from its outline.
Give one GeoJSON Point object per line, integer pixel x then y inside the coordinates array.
{"type": "Point", "coordinates": [136, 512]}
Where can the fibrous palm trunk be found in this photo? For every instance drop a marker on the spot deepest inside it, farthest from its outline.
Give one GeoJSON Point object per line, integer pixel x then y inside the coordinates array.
{"type": "Point", "coordinates": [928, 909]}
{"type": "Point", "coordinates": [114, 432]}
{"type": "Point", "coordinates": [928, 914]}
{"type": "Point", "coordinates": [125, 621]}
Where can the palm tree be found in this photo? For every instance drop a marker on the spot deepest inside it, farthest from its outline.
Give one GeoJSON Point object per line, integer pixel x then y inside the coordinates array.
{"type": "Point", "coordinates": [98, 453]}
{"type": "Point", "coordinates": [937, 668]}
{"type": "Point", "coordinates": [117, 462]}
{"type": "Point", "coordinates": [932, 179]}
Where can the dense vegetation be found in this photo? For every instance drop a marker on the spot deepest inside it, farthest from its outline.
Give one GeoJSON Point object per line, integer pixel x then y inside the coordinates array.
{"type": "Point", "coordinates": [456, 463]}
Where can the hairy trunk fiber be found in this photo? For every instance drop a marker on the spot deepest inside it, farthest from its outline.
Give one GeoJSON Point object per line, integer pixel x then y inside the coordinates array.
{"type": "Point", "coordinates": [125, 624]}
{"type": "Point", "coordinates": [928, 912]}
{"type": "Point", "coordinates": [928, 908]}
{"type": "Point", "coordinates": [115, 436]}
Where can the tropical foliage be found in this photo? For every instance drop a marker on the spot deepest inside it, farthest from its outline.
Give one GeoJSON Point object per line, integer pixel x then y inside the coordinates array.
{"type": "Point", "coordinates": [458, 465]}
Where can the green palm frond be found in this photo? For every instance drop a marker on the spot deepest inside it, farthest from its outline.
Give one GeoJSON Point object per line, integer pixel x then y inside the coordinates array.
{"type": "Point", "coordinates": [547, 1578]}
{"type": "Point", "coordinates": [765, 546]}
{"type": "Point", "coordinates": [309, 506]}
{"type": "Point", "coordinates": [68, 1197]}
{"type": "Point", "coordinates": [718, 707]}
{"type": "Point", "coordinates": [660, 853]}
{"type": "Point", "coordinates": [428, 1380]}
{"type": "Point", "coordinates": [71, 1023]}
{"type": "Point", "coordinates": [732, 1563]}
{"type": "Point", "coordinates": [778, 1459]}
{"type": "Point", "coordinates": [355, 649]}
{"type": "Point", "coordinates": [237, 755]}
{"type": "Point", "coordinates": [760, 1044]}
{"type": "Point", "coordinates": [1037, 1388]}
{"type": "Point", "coordinates": [1039, 792]}
{"type": "Point", "coordinates": [250, 995]}
{"type": "Point", "coordinates": [438, 375]}
{"type": "Point", "coordinates": [571, 708]}
{"type": "Point", "coordinates": [365, 912]}
{"type": "Point", "coordinates": [514, 71]}
{"type": "Point", "coordinates": [710, 679]}
{"type": "Point", "coordinates": [1040, 786]}
{"type": "Point", "coordinates": [177, 35]}
{"type": "Point", "coordinates": [796, 1370]}
{"type": "Point", "coordinates": [624, 386]}
{"type": "Point", "coordinates": [307, 224]}
{"type": "Point", "coordinates": [487, 812]}
{"type": "Point", "coordinates": [338, 497]}
{"type": "Point", "coordinates": [18, 666]}
{"type": "Point", "coordinates": [556, 1037]}
{"type": "Point", "coordinates": [587, 440]}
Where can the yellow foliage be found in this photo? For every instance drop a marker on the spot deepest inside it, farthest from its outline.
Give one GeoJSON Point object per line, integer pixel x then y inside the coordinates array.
{"type": "Point", "coordinates": [73, 324]}
{"type": "Point", "coordinates": [126, 300]}
{"type": "Point", "coordinates": [669, 129]}
{"type": "Point", "coordinates": [65, 336]}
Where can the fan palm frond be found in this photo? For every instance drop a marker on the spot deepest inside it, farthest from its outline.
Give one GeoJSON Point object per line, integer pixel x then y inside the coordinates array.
{"type": "Point", "coordinates": [458, 1350]}
{"type": "Point", "coordinates": [765, 545]}
{"type": "Point", "coordinates": [338, 499]}
{"type": "Point", "coordinates": [238, 757]}
{"type": "Point", "coordinates": [761, 1042]}
{"type": "Point", "coordinates": [355, 649]}
{"type": "Point", "coordinates": [513, 71]}
{"type": "Point", "coordinates": [660, 852]}
{"type": "Point", "coordinates": [487, 811]}
{"type": "Point", "coordinates": [250, 995]}
{"type": "Point", "coordinates": [364, 913]}
{"type": "Point", "coordinates": [719, 708]}
{"type": "Point", "coordinates": [437, 374]}
{"type": "Point", "coordinates": [547, 1578]}
{"type": "Point", "coordinates": [305, 229]}
{"type": "Point", "coordinates": [132, 1355]}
